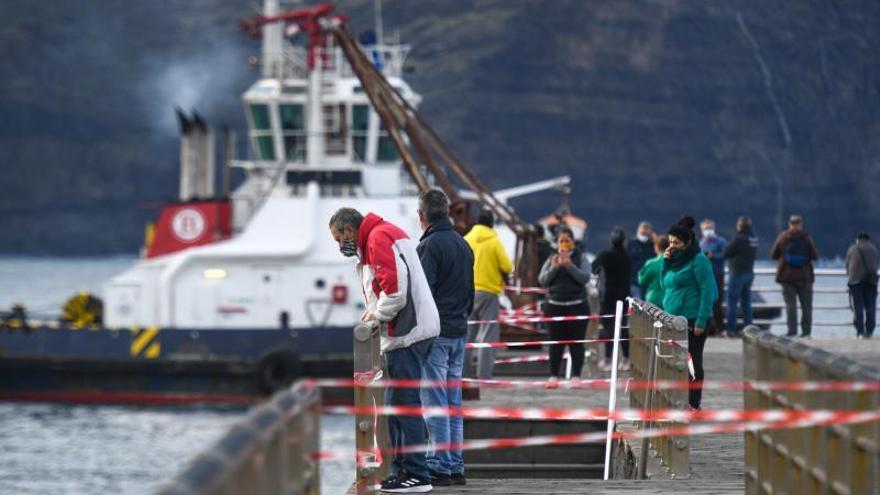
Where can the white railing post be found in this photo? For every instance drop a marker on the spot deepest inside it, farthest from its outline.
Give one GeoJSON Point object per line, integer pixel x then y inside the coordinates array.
{"type": "Point", "coordinates": [612, 396]}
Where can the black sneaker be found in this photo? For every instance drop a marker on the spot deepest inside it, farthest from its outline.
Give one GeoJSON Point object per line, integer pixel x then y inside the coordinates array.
{"type": "Point", "coordinates": [458, 479]}
{"type": "Point", "coordinates": [391, 480]}
{"type": "Point", "coordinates": [407, 484]}
{"type": "Point", "coordinates": [440, 479]}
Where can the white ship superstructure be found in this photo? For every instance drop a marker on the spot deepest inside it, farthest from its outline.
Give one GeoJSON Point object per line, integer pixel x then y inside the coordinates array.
{"type": "Point", "coordinates": [317, 145]}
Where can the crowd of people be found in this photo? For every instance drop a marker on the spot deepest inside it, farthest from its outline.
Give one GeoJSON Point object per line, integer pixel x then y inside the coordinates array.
{"type": "Point", "coordinates": [423, 295]}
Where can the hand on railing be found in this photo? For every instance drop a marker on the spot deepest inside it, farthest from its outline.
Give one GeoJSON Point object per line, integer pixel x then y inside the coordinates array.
{"type": "Point", "coordinates": [364, 330]}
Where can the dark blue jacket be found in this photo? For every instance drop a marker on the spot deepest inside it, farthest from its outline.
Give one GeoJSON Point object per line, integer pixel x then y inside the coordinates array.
{"type": "Point", "coordinates": [639, 253]}
{"type": "Point", "coordinates": [448, 263]}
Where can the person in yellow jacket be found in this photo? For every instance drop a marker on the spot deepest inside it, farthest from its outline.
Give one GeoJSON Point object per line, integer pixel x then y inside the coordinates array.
{"type": "Point", "coordinates": [491, 266]}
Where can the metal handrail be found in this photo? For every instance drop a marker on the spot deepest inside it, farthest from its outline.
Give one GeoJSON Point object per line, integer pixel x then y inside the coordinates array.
{"type": "Point", "coordinates": [273, 450]}
{"type": "Point", "coordinates": [820, 459]}
{"type": "Point", "coordinates": [371, 436]}
{"type": "Point", "coordinates": [648, 326]}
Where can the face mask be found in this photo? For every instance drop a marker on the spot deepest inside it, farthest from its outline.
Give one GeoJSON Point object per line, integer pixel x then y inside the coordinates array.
{"type": "Point", "coordinates": [642, 237]}
{"type": "Point", "coordinates": [566, 245]}
{"type": "Point", "coordinates": [709, 233]}
{"type": "Point", "coordinates": [348, 248]}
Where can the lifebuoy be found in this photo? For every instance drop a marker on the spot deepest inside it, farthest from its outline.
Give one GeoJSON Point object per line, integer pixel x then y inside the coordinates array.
{"type": "Point", "coordinates": [277, 370]}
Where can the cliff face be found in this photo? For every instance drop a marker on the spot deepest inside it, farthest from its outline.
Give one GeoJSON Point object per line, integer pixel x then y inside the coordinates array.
{"type": "Point", "coordinates": [654, 108]}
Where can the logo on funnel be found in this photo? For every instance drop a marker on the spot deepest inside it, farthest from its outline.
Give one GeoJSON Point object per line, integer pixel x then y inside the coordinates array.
{"type": "Point", "coordinates": [188, 224]}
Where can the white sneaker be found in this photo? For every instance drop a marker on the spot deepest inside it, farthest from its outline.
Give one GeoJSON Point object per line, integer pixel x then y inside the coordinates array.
{"type": "Point", "coordinates": [623, 365]}
{"type": "Point", "coordinates": [604, 365]}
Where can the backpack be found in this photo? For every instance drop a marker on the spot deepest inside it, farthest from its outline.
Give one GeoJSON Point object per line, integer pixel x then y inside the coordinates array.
{"type": "Point", "coordinates": [797, 252]}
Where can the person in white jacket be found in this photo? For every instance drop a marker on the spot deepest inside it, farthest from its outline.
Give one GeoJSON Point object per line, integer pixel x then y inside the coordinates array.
{"type": "Point", "coordinates": [398, 296]}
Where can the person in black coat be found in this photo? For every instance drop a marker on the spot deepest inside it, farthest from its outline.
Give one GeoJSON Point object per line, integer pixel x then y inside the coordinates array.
{"type": "Point", "coordinates": [448, 263]}
{"type": "Point", "coordinates": [740, 255]}
{"type": "Point", "coordinates": [615, 265]}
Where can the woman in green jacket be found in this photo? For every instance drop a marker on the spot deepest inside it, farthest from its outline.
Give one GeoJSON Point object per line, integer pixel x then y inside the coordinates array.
{"type": "Point", "coordinates": [649, 275]}
{"type": "Point", "coordinates": [689, 291]}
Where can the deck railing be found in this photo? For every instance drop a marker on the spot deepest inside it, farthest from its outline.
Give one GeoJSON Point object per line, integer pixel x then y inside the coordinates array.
{"type": "Point", "coordinates": [834, 299]}
{"type": "Point", "coordinates": [273, 450]}
{"type": "Point", "coordinates": [370, 432]}
{"type": "Point", "coordinates": [837, 459]}
{"type": "Point", "coordinates": [652, 360]}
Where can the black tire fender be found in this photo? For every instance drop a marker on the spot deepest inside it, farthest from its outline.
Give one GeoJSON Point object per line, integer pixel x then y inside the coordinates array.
{"type": "Point", "coordinates": [277, 370]}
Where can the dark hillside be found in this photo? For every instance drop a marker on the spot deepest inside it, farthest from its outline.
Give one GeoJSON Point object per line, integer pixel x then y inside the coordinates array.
{"type": "Point", "coordinates": [761, 107]}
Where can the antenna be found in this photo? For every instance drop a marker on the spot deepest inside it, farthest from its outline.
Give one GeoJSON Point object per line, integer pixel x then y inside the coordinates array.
{"type": "Point", "coordinates": [377, 9]}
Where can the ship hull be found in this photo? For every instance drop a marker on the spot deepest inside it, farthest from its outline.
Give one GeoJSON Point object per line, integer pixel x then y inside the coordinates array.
{"type": "Point", "coordinates": [168, 366]}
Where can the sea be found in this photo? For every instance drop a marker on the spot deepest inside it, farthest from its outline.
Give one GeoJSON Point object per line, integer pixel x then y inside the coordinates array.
{"type": "Point", "coordinates": [91, 450]}
{"type": "Point", "coordinates": [79, 449]}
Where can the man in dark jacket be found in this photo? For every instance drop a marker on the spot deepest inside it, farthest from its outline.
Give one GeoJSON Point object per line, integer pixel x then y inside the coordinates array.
{"type": "Point", "coordinates": [740, 256]}
{"type": "Point", "coordinates": [795, 250]}
{"type": "Point", "coordinates": [861, 272]}
{"type": "Point", "coordinates": [448, 263]}
{"type": "Point", "coordinates": [640, 250]}
{"type": "Point", "coordinates": [615, 267]}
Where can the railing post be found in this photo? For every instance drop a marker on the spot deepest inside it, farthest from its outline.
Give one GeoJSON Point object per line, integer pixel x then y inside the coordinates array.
{"type": "Point", "coordinates": [650, 378]}
{"type": "Point", "coordinates": [837, 458]}
{"type": "Point", "coordinates": [271, 451]}
{"type": "Point", "coordinates": [650, 325]}
{"type": "Point", "coordinates": [370, 429]}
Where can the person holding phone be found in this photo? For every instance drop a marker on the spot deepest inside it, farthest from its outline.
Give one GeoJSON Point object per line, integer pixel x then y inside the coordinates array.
{"type": "Point", "coordinates": [689, 290]}
{"type": "Point", "coordinates": [565, 275]}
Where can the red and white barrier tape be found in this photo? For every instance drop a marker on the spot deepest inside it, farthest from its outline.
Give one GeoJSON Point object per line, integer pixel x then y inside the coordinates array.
{"type": "Point", "coordinates": [525, 290]}
{"type": "Point", "coordinates": [599, 384]}
{"type": "Point", "coordinates": [541, 319]}
{"type": "Point", "coordinates": [821, 418]}
{"type": "Point", "coordinates": [690, 359]}
{"type": "Point", "coordinates": [529, 359]}
{"type": "Point", "coordinates": [581, 414]}
{"type": "Point", "coordinates": [508, 315]}
{"type": "Point", "coordinates": [523, 359]}
{"type": "Point", "coordinates": [537, 343]}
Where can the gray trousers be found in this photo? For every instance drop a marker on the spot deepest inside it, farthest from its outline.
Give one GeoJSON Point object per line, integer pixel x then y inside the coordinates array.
{"type": "Point", "coordinates": [485, 308]}
{"type": "Point", "coordinates": [792, 293]}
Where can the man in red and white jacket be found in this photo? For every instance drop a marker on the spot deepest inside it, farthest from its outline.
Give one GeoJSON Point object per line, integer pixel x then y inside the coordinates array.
{"type": "Point", "coordinates": [397, 294]}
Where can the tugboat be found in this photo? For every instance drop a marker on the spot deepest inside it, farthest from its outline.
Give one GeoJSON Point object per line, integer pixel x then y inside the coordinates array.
{"type": "Point", "coordinates": [235, 296]}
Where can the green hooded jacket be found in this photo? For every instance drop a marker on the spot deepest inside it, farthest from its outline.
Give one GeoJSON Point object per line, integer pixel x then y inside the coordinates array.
{"type": "Point", "coordinates": [649, 278]}
{"type": "Point", "coordinates": [689, 289]}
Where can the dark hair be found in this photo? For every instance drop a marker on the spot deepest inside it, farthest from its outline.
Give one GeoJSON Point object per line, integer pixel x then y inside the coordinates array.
{"type": "Point", "coordinates": [743, 224]}
{"type": "Point", "coordinates": [486, 218]}
{"type": "Point", "coordinates": [684, 229]}
{"type": "Point", "coordinates": [346, 217]}
{"type": "Point", "coordinates": [434, 205]}
{"type": "Point", "coordinates": [661, 243]}
{"type": "Point", "coordinates": [564, 229]}
{"type": "Point", "coordinates": [618, 235]}
{"type": "Point", "coordinates": [863, 236]}
{"type": "Point", "coordinates": [539, 230]}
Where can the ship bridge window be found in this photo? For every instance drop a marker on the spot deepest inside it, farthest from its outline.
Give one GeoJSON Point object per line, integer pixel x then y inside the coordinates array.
{"type": "Point", "coordinates": [260, 115]}
{"type": "Point", "coordinates": [360, 115]}
{"type": "Point", "coordinates": [261, 132]}
{"type": "Point", "coordinates": [387, 152]}
{"type": "Point", "coordinates": [293, 127]}
{"type": "Point", "coordinates": [336, 128]}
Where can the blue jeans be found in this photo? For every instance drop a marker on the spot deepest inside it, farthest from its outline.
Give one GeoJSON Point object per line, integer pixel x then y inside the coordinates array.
{"type": "Point", "coordinates": [739, 290]}
{"type": "Point", "coordinates": [445, 363]}
{"type": "Point", "coordinates": [406, 364]}
{"type": "Point", "coordinates": [864, 299]}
